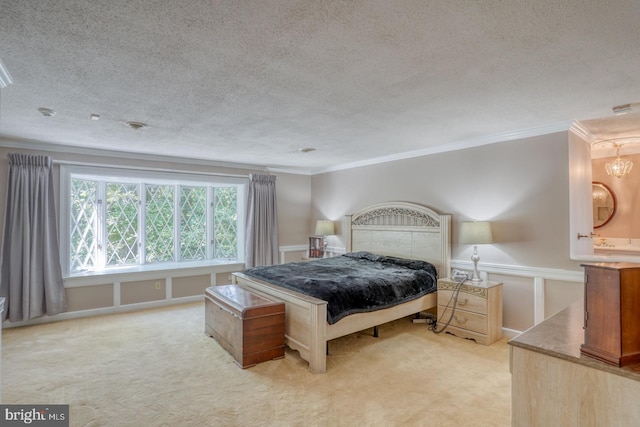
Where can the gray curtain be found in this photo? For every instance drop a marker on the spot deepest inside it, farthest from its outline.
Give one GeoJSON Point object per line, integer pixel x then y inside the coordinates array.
{"type": "Point", "coordinates": [31, 278]}
{"type": "Point", "coordinates": [262, 222]}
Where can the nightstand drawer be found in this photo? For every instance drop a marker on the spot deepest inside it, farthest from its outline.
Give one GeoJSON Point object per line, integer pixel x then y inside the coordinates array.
{"type": "Point", "coordinates": [464, 319]}
{"type": "Point", "coordinates": [466, 301]}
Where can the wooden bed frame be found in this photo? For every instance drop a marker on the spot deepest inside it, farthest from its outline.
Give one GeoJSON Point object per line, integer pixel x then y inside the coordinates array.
{"type": "Point", "coordinates": [399, 229]}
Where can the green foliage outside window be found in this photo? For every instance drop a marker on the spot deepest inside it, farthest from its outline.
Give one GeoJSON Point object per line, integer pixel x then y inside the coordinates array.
{"type": "Point", "coordinates": [143, 221]}
{"type": "Point", "coordinates": [83, 216]}
{"type": "Point", "coordinates": [193, 220]}
{"type": "Point", "coordinates": [225, 220]}
{"type": "Point", "coordinates": [160, 214]}
{"type": "Point", "coordinates": [122, 223]}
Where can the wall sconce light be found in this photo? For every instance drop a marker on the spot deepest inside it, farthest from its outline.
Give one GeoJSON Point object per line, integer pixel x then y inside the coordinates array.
{"type": "Point", "coordinates": [475, 233]}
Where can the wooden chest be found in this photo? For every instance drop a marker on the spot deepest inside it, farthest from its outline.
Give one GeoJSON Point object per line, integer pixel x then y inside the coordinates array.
{"type": "Point", "coordinates": [249, 326]}
{"type": "Point", "coordinates": [611, 321]}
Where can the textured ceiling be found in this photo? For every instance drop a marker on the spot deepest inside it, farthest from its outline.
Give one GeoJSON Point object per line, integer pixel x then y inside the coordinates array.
{"type": "Point", "coordinates": [252, 82]}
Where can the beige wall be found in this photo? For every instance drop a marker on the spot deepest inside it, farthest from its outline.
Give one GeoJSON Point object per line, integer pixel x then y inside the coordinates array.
{"type": "Point", "coordinates": [294, 208]}
{"type": "Point", "coordinates": [624, 222]}
{"type": "Point", "coordinates": [103, 293]}
{"type": "Point", "coordinates": [293, 190]}
{"type": "Point", "coordinates": [521, 186]}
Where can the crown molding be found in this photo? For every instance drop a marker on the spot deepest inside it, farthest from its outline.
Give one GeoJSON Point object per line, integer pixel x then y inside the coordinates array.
{"type": "Point", "coordinates": [9, 142]}
{"type": "Point", "coordinates": [454, 146]}
{"type": "Point", "coordinates": [26, 144]}
{"type": "Point", "coordinates": [578, 129]}
{"type": "Point", "coordinates": [295, 171]}
{"type": "Point", "coordinates": [6, 141]}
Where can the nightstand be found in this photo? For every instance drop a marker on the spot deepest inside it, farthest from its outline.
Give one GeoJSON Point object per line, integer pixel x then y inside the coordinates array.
{"type": "Point", "coordinates": [478, 314]}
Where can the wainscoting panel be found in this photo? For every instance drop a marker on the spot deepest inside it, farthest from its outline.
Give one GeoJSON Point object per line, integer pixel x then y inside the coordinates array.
{"type": "Point", "coordinates": [92, 295]}
{"type": "Point", "coordinates": [530, 290]}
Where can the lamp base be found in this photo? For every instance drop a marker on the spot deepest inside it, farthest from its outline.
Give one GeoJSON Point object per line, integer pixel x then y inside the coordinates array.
{"type": "Point", "coordinates": [475, 278]}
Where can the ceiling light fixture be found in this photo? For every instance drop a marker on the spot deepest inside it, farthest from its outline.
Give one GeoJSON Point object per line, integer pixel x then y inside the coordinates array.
{"type": "Point", "coordinates": [47, 112]}
{"type": "Point", "coordinates": [136, 125]}
{"type": "Point", "coordinates": [618, 167]}
{"type": "Point", "coordinates": [5, 78]}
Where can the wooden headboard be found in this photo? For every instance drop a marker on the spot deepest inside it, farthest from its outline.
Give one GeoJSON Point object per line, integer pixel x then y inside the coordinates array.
{"type": "Point", "coordinates": [401, 229]}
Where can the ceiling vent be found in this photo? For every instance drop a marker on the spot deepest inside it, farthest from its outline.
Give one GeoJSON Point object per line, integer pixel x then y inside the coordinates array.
{"type": "Point", "coordinates": [626, 108]}
{"type": "Point", "coordinates": [136, 125]}
{"type": "Point", "coordinates": [47, 112]}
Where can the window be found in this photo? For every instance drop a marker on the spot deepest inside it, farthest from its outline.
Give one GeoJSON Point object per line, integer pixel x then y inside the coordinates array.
{"type": "Point", "coordinates": [114, 218]}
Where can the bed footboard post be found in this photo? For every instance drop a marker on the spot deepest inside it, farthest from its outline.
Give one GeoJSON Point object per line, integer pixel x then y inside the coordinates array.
{"type": "Point", "coordinates": [318, 343]}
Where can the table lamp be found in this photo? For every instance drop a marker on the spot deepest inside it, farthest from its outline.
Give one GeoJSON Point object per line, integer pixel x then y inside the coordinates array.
{"type": "Point", "coordinates": [475, 233]}
{"type": "Point", "coordinates": [324, 228]}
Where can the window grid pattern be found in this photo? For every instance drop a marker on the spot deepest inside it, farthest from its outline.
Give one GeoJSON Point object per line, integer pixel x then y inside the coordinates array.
{"type": "Point", "coordinates": [193, 218]}
{"type": "Point", "coordinates": [84, 242]}
{"type": "Point", "coordinates": [225, 223]}
{"type": "Point", "coordinates": [160, 216]}
{"type": "Point", "coordinates": [122, 223]}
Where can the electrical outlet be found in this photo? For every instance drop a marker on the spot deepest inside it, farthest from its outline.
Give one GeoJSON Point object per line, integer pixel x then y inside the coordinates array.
{"type": "Point", "coordinates": [158, 285]}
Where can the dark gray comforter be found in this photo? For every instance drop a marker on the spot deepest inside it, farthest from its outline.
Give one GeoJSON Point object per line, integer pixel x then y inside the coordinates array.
{"type": "Point", "coordinates": [355, 282]}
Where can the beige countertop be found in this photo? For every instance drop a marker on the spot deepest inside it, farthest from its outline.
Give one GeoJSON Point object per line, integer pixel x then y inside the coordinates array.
{"type": "Point", "coordinates": [561, 336]}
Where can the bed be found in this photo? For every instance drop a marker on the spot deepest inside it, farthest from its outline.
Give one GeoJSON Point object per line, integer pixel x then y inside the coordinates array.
{"type": "Point", "coordinates": [396, 229]}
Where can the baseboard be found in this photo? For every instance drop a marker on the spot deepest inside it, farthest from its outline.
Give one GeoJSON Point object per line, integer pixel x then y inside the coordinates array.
{"type": "Point", "coordinates": [102, 311]}
{"type": "Point", "coordinates": [510, 333]}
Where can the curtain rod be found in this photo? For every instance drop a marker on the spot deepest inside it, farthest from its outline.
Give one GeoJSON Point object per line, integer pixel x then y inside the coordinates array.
{"type": "Point", "coordinates": [151, 169]}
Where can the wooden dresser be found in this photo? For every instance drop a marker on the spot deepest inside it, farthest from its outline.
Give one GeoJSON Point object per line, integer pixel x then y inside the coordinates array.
{"type": "Point", "coordinates": [478, 314]}
{"type": "Point", "coordinates": [249, 326]}
{"type": "Point", "coordinates": [554, 384]}
{"type": "Point", "coordinates": [611, 321]}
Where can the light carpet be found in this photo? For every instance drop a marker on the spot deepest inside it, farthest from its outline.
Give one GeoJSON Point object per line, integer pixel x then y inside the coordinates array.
{"type": "Point", "coordinates": [158, 368]}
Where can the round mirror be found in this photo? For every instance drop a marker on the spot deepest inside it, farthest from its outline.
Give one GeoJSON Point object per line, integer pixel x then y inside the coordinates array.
{"type": "Point", "coordinates": [604, 204]}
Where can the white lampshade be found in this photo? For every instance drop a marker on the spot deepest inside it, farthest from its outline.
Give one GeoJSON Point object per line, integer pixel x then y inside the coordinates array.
{"type": "Point", "coordinates": [475, 233]}
{"type": "Point", "coordinates": [324, 227]}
